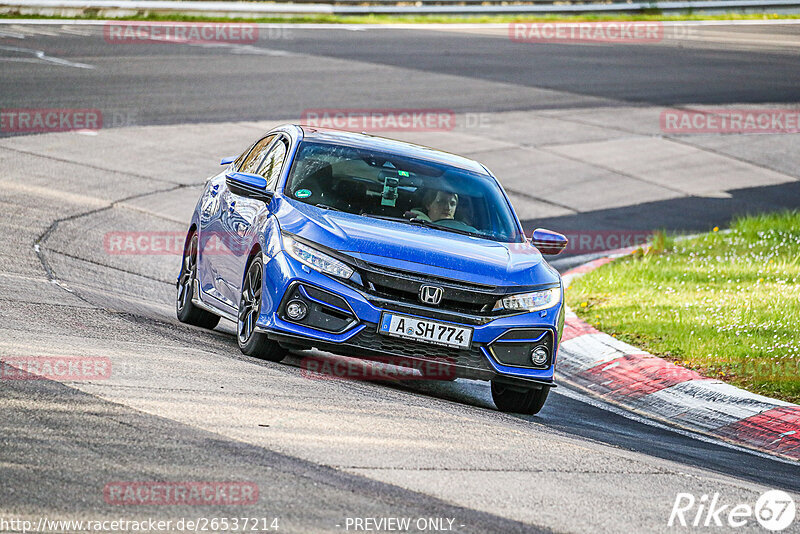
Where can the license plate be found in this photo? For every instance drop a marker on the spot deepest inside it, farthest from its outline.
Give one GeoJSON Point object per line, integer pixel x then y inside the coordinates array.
{"type": "Point", "coordinates": [425, 330]}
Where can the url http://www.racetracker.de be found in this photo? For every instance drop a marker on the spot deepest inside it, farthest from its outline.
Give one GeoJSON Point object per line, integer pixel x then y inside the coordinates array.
{"type": "Point", "coordinates": [197, 524]}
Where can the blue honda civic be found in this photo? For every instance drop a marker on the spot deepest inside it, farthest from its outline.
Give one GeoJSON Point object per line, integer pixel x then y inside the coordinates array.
{"type": "Point", "coordinates": [378, 249]}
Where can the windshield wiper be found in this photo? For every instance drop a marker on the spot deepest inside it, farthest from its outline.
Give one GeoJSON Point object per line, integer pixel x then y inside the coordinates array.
{"type": "Point", "coordinates": [385, 217]}
{"type": "Point", "coordinates": [431, 224]}
{"type": "Point", "coordinates": [425, 223]}
{"type": "Point", "coordinates": [326, 207]}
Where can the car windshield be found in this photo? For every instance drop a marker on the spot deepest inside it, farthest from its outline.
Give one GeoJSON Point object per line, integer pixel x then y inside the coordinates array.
{"type": "Point", "coordinates": [390, 186]}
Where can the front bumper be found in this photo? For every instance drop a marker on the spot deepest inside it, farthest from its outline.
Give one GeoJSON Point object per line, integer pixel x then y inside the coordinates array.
{"type": "Point", "coordinates": [346, 322]}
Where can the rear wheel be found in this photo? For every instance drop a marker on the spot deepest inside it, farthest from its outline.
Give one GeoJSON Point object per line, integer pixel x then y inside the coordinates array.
{"type": "Point", "coordinates": [186, 311]}
{"type": "Point", "coordinates": [517, 400]}
{"type": "Point", "coordinates": [251, 342]}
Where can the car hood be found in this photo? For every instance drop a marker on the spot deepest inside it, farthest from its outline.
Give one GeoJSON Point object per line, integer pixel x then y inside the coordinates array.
{"type": "Point", "coordinates": [416, 248]}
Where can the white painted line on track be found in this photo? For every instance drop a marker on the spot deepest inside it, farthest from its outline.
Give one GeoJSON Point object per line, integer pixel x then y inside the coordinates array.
{"type": "Point", "coordinates": [12, 35]}
{"type": "Point", "coordinates": [240, 49]}
{"type": "Point", "coordinates": [40, 55]}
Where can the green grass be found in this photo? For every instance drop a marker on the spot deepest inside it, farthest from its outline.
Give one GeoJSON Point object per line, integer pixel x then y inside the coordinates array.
{"type": "Point", "coordinates": [413, 19]}
{"type": "Point", "coordinates": [726, 304]}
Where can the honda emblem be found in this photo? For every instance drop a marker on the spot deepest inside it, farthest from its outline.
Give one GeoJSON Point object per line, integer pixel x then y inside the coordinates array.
{"type": "Point", "coordinates": [431, 295]}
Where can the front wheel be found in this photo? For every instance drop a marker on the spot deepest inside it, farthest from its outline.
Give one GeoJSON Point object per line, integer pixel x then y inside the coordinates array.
{"type": "Point", "coordinates": [186, 311]}
{"type": "Point", "coordinates": [524, 401]}
{"type": "Point", "coordinates": [251, 342]}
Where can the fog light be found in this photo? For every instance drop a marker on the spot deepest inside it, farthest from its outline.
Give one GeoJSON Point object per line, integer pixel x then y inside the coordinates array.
{"type": "Point", "coordinates": [539, 355]}
{"type": "Point", "coordinates": [296, 310]}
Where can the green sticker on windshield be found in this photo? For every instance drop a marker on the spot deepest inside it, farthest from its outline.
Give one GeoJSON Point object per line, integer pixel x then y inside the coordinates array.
{"type": "Point", "coordinates": [402, 173]}
{"type": "Point", "coordinates": [302, 193]}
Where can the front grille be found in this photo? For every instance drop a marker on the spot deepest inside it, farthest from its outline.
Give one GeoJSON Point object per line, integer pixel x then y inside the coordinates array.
{"type": "Point", "coordinates": [404, 286]}
{"type": "Point", "coordinates": [370, 340]}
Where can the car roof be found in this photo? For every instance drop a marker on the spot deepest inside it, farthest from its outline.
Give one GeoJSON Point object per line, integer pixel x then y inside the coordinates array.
{"type": "Point", "coordinates": [392, 146]}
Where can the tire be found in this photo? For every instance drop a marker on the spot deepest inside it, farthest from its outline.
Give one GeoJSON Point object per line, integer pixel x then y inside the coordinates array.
{"type": "Point", "coordinates": [529, 401]}
{"type": "Point", "coordinates": [186, 311]}
{"type": "Point", "coordinates": [253, 343]}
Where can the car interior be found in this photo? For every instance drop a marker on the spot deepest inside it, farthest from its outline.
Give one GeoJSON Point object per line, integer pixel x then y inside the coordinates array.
{"type": "Point", "coordinates": [355, 186]}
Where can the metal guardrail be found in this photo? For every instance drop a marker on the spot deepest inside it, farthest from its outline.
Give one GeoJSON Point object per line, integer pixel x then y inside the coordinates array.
{"type": "Point", "coordinates": [261, 9]}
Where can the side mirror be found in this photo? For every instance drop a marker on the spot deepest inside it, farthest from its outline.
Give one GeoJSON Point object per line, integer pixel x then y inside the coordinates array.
{"type": "Point", "coordinates": [248, 185]}
{"type": "Point", "coordinates": [549, 242]}
{"type": "Point", "coordinates": [227, 161]}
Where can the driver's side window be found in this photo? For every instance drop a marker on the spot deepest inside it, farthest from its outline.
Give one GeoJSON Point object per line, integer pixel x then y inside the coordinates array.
{"type": "Point", "coordinates": [273, 163]}
{"type": "Point", "coordinates": [253, 159]}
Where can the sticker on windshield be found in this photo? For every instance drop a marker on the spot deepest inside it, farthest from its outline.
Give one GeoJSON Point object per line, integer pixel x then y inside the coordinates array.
{"type": "Point", "coordinates": [302, 193]}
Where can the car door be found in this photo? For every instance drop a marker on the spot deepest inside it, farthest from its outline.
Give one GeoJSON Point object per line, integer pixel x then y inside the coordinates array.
{"type": "Point", "coordinates": [210, 226]}
{"type": "Point", "coordinates": [240, 221]}
{"type": "Point", "coordinates": [216, 269]}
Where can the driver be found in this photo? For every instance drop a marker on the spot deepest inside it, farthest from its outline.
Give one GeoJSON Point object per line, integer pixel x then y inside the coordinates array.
{"type": "Point", "coordinates": [438, 205]}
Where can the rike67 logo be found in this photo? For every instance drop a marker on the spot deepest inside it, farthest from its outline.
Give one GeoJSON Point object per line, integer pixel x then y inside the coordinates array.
{"type": "Point", "coordinates": [774, 510]}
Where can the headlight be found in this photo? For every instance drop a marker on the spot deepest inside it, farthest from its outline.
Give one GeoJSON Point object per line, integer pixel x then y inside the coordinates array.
{"type": "Point", "coordinates": [319, 261]}
{"type": "Point", "coordinates": [534, 301]}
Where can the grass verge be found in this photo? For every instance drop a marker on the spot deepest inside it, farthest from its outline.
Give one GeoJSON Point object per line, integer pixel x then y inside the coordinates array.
{"type": "Point", "coordinates": [726, 304]}
{"type": "Point", "coordinates": [413, 19]}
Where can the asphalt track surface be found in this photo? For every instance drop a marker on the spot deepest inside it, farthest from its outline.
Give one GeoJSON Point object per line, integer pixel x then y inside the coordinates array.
{"type": "Point", "coordinates": [185, 405]}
